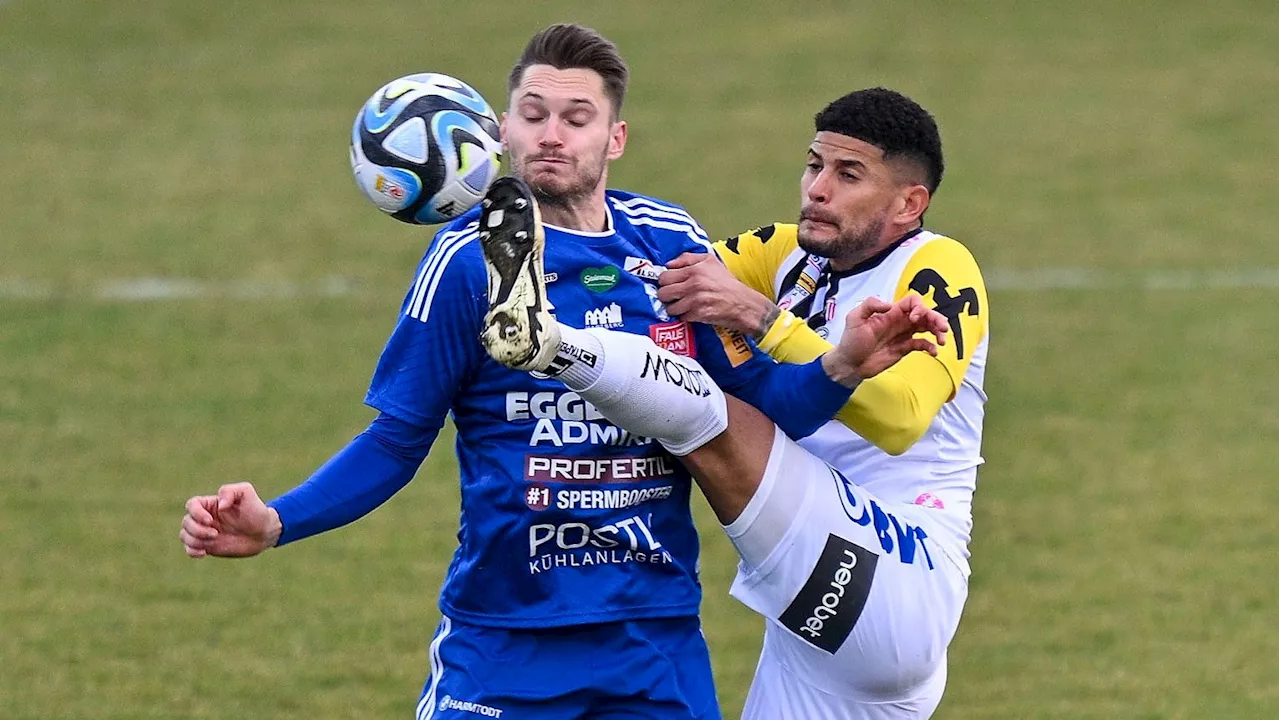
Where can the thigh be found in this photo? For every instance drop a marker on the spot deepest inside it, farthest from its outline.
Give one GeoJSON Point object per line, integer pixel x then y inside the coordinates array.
{"type": "Point", "coordinates": [810, 521]}
{"type": "Point", "coordinates": [779, 693]}
{"type": "Point", "coordinates": [859, 600]}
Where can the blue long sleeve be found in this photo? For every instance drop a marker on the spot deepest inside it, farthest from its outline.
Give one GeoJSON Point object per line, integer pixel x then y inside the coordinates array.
{"type": "Point", "coordinates": [375, 465]}
{"type": "Point", "coordinates": [799, 398]}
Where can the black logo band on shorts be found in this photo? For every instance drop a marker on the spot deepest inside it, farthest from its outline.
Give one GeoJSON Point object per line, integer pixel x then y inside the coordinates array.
{"type": "Point", "coordinates": [825, 610]}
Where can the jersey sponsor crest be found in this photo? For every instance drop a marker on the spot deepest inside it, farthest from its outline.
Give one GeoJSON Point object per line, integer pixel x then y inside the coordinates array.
{"type": "Point", "coordinates": [629, 541]}
{"type": "Point", "coordinates": [599, 279]}
{"type": "Point", "coordinates": [609, 316]}
{"type": "Point", "coordinates": [643, 269]}
{"type": "Point", "coordinates": [830, 602]}
{"type": "Point", "coordinates": [805, 283]}
{"type": "Point", "coordinates": [896, 535]}
{"type": "Point", "coordinates": [578, 469]}
{"type": "Point", "coordinates": [735, 346]}
{"type": "Point", "coordinates": [675, 336]}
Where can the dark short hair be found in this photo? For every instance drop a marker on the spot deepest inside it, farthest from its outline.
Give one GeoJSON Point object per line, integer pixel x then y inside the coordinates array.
{"type": "Point", "coordinates": [892, 122]}
{"type": "Point", "coordinates": [564, 47]}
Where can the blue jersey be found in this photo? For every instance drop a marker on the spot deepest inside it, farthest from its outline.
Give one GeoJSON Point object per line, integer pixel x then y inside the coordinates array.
{"type": "Point", "coordinates": [565, 518]}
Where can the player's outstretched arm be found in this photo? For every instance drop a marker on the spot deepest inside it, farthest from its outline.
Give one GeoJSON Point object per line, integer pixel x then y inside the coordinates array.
{"type": "Point", "coordinates": [375, 465]}
{"type": "Point", "coordinates": [877, 334]}
{"type": "Point", "coordinates": [233, 523]}
{"type": "Point", "coordinates": [730, 466]}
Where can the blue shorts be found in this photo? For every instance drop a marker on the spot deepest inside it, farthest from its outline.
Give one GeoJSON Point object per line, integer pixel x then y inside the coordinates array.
{"type": "Point", "coordinates": [632, 670]}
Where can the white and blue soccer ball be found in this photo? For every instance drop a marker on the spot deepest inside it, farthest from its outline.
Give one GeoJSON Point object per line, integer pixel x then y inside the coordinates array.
{"type": "Point", "coordinates": [425, 148]}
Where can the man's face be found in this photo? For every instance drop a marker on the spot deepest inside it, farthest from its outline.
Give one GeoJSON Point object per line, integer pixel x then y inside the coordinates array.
{"type": "Point", "coordinates": [560, 133]}
{"type": "Point", "coordinates": [847, 194]}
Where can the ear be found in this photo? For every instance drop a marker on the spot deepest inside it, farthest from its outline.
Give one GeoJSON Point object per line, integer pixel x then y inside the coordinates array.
{"type": "Point", "coordinates": [912, 203]}
{"type": "Point", "coordinates": [617, 140]}
{"type": "Point", "coordinates": [502, 131]}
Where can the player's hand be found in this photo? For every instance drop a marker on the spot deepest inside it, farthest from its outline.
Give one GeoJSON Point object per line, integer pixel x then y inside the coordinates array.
{"type": "Point", "coordinates": [697, 287]}
{"type": "Point", "coordinates": [878, 334]}
{"type": "Point", "coordinates": [233, 523]}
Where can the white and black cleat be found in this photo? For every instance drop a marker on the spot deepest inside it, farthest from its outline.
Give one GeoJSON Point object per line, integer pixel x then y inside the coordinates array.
{"type": "Point", "coordinates": [520, 330]}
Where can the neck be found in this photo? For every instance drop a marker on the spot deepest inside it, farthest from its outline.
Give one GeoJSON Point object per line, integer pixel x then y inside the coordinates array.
{"type": "Point", "coordinates": [844, 263]}
{"type": "Point", "coordinates": [584, 213]}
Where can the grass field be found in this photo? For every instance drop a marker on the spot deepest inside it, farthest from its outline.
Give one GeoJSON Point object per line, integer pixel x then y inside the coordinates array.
{"type": "Point", "coordinates": [1113, 165]}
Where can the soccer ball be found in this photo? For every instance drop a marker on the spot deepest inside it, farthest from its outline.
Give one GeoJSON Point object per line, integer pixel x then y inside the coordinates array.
{"type": "Point", "coordinates": [425, 148]}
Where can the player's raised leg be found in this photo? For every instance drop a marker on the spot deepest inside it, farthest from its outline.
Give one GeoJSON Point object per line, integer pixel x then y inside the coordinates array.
{"type": "Point", "coordinates": [634, 383]}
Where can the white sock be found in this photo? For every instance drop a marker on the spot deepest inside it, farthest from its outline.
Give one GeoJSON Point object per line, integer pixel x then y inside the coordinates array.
{"type": "Point", "coordinates": [577, 362]}
{"type": "Point", "coordinates": [643, 388]}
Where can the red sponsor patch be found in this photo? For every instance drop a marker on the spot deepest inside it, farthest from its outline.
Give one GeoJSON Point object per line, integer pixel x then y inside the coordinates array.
{"type": "Point", "coordinates": [675, 336]}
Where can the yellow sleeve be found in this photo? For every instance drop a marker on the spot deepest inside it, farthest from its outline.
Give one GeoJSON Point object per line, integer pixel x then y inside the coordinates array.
{"type": "Point", "coordinates": [945, 274]}
{"type": "Point", "coordinates": [894, 409]}
{"type": "Point", "coordinates": [755, 256]}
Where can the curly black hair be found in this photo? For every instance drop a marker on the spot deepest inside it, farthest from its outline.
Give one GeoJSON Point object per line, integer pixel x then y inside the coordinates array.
{"type": "Point", "coordinates": [892, 122]}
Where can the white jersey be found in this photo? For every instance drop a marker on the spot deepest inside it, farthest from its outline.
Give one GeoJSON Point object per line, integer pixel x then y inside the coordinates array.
{"type": "Point", "coordinates": [858, 558]}
{"type": "Point", "coordinates": [939, 471]}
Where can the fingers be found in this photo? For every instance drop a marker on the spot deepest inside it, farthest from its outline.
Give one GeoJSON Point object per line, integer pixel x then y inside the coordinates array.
{"type": "Point", "coordinates": [687, 259]}
{"type": "Point", "coordinates": [867, 308]}
{"type": "Point", "coordinates": [194, 547]}
{"type": "Point", "coordinates": [201, 508]}
{"type": "Point", "coordinates": [674, 274]}
{"type": "Point", "coordinates": [898, 348]}
{"type": "Point", "coordinates": [670, 293]}
{"type": "Point", "coordinates": [913, 305]}
{"type": "Point", "coordinates": [198, 530]}
{"type": "Point", "coordinates": [231, 495]}
{"type": "Point", "coordinates": [198, 527]}
{"type": "Point", "coordinates": [874, 305]}
{"type": "Point", "coordinates": [919, 344]}
{"type": "Point", "coordinates": [683, 308]}
{"type": "Point", "coordinates": [923, 318]}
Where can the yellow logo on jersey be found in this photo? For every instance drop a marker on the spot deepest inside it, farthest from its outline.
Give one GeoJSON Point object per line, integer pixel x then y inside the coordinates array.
{"type": "Point", "coordinates": [735, 346]}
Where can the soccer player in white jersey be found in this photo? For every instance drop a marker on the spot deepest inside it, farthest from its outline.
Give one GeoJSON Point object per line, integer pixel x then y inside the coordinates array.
{"type": "Point", "coordinates": [853, 542]}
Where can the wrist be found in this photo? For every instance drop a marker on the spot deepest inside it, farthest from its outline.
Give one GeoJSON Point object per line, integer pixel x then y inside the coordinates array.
{"type": "Point", "coordinates": [839, 370]}
{"type": "Point", "coordinates": [768, 316]}
{"type": "Point", "coordinates": [274, 529]}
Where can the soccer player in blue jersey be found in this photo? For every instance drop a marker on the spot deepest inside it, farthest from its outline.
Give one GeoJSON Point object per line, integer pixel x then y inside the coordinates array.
{"type": "Point", "coordinates": [574, 590]}
{"type": "Point", "coordinates": [854, 541]}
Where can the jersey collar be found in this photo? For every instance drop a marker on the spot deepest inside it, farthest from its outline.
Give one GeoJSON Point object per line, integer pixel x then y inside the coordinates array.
{"type": "Point", "coordinates": [878, 258]}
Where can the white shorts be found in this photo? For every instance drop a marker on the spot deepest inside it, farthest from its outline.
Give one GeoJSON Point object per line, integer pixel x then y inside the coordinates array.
{"type": "Point", "coordinates": [860, 597]}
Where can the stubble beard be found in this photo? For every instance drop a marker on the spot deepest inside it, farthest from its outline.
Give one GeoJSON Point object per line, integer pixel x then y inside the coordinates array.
{"type": "Point", "coordinates": [570, 191]}
{"type": "Point", "coordinates": [849, 245]}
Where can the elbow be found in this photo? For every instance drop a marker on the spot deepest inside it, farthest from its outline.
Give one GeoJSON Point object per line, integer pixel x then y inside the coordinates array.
{"type": "Point", "coordinates": [899, 438]}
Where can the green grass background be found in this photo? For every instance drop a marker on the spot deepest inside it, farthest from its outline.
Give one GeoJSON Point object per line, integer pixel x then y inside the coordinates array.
{"type": "Point", "coordinates": [1125, 543]}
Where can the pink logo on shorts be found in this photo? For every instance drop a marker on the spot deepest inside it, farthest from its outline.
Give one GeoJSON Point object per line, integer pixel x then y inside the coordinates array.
{"type": "Point", "coordinates": [930, 501]}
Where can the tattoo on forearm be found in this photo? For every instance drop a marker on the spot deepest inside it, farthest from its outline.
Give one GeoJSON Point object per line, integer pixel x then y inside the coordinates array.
{"type": "Point", "coordinates": [767, 322]}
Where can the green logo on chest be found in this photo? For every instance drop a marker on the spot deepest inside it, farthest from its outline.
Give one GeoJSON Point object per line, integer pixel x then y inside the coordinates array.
{"type": "Point", "coordinates": [600, 279]}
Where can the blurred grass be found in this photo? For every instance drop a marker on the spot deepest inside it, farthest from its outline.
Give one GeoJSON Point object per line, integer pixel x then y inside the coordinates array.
{"type": "Point", "coordinates": [1124, 551]}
